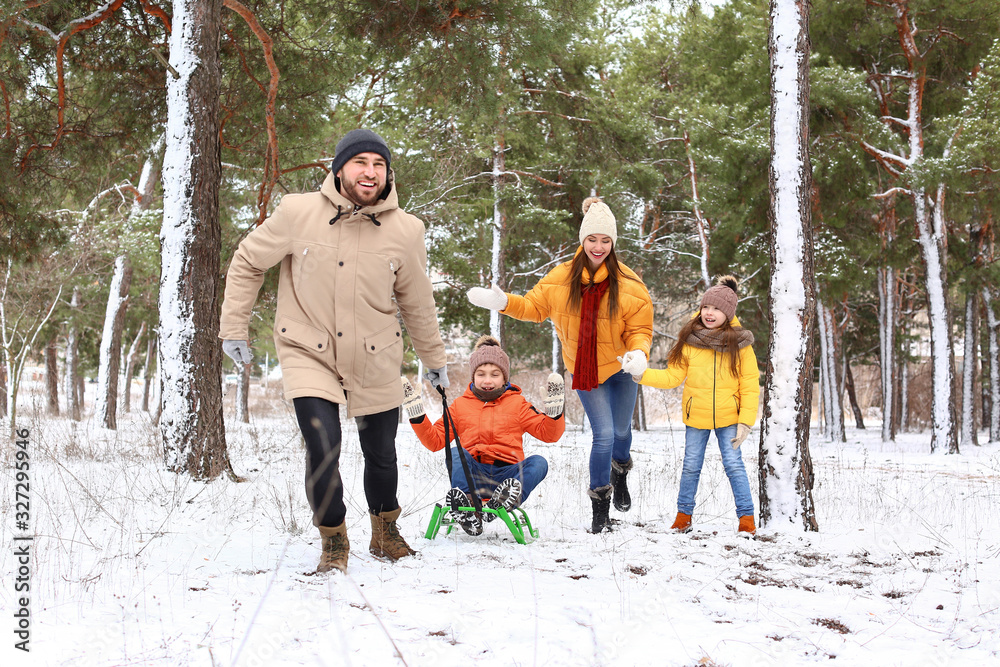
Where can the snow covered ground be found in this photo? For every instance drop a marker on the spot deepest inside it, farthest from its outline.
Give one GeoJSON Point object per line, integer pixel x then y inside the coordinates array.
{"type": "Point", "coordinates": [133, 565]}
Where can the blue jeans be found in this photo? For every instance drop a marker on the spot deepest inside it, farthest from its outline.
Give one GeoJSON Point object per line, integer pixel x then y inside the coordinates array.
{"type": "Point", "coordinates": [609, 408]}
{"type": "Point", "coordinates": [695, 442]}
{"type": "Point", "coordinates": [487, 476]}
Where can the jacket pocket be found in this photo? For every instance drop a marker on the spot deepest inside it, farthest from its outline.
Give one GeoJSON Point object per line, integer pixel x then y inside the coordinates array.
{"type": "Point", "coordinates": [300, 344]}
{"type": "Point", "coordinates": [383, 356]}
{"type": "Point", "coordinates": [376, 280]}
{"type": "Point", "coordinates": [687, 408]}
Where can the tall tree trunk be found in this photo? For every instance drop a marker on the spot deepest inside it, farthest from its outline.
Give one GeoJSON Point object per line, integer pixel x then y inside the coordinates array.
{"type": "Point", "coordinates": [147, 371]}
{"type": "Point", "coordinates": [786, 476]}
{"type": "Point", "coordinates": [73, 400]}
{"type": "Point", "coordinates": [130, 360]}
{"type": "Point", "coordinates": [701, 222]}
{"type": "Point", "coordinates": [190, 358]}
{"type": "Point", "coordinates": [498, 227]}
{"type": "Point", "coordinates": [832, 393]}
{"type": "Point", "coordinates": [852, 394]}
{"type": "Point", "coordinates": [4, 364]}
{"type": "Point", "coordinates": [243, 395]}
{"type": "Point", "coordinates": [931, 236]}
{"type": "Point", "coordinates": [52, 377]}
{"type": "Point", "coordinates": [970, 366]}
{"type": "Point", "coordinates": [993, 335]}
{"type": "Point", "coordinates": [901, 389]}
{"type": "Point", "coordinates": [106, 404]}
{"type": "Point", "coordinates": [887, 318]}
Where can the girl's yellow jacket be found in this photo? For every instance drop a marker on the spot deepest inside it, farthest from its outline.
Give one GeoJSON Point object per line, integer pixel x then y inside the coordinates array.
{"type": "Point", "coordinates": [713, 397]}
{"type": "Point", "coordinates": [632, 328]}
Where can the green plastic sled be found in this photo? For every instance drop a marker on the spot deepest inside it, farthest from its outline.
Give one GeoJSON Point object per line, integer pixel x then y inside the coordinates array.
{"type": "Point", "coordinates": [517, 521]}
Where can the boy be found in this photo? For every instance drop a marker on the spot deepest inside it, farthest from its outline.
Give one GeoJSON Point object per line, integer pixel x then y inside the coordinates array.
{"type": "Point", "coordinates": [491, 418]}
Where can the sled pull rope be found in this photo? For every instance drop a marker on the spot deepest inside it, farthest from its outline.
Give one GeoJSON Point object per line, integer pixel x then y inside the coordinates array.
{"type": "Point", "coordinates": [448, 420]}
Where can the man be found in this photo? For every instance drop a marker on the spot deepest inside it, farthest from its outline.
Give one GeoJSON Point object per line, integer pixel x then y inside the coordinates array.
{"type": "Point", "coordinates": [350, 257]}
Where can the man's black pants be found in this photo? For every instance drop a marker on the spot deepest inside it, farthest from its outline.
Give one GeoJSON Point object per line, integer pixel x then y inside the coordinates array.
{"type": "Point", "coordinates": [319, 421]}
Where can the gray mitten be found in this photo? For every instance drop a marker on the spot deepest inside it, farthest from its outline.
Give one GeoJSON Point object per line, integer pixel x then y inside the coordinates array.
{"type": "Point", "coordinates": [412, 402]}
{"type": "Point", "coordinates": [237, 350]}
{"type": "Point", "coordinates": [555, 395]}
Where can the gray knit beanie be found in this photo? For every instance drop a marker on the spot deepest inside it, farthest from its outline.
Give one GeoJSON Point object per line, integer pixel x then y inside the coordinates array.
{"type": "Point", "coordinates": [359, 141]}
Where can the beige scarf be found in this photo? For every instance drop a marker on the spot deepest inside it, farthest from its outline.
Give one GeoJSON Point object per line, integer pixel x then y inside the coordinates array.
{"type": "Point", "coordinates": [714, 339]}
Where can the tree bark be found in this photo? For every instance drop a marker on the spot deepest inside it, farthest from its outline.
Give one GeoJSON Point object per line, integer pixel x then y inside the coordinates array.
{"type": "Point", "coordinates": [498, 227]}
{"type": "Point", "coordinates": [852, 395]}
{"type": "Point", "coordinates": [830, 378]}
{"type": "Point", "coordinates": [130, 360]}
{"type": "Point", "coordinates": [73, 400]}
{"type": "Point", "coordinates": [106, 406]}
{"type": "Point", "coordinates": [190, 357]}
{"type": "Point", "coordinates": [147, 371]}
{"type": "Point", "coordinates": [52, 377]}
{"type": "Point", "coordinates": [243, 395]}
{"type": "Point", "coordinates": [993, 324]}
{"type": "Point", "coordinates": [970, 366]}
{"type": "Point", "coordinates": [887, 318]}
{"type": "Point", "coordinates": [786, 476]}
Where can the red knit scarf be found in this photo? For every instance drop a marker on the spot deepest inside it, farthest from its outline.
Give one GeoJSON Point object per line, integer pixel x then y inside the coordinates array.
{"type": "Point", "coordinates": [585, 373]}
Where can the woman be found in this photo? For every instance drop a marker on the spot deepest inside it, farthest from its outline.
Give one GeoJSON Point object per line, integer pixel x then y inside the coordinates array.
{"type": "Point", "coordinates": [603, 317]}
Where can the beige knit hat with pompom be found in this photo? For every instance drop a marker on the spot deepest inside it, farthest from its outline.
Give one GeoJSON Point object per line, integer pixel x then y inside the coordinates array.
{"type": "Point", "coordinates": [598, 219]}
{"type": "Point", "coordinates": [488, 351]}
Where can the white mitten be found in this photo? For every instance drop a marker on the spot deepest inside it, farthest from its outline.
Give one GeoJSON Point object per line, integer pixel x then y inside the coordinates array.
{"type": "Point", "coordinates": [492, 298]}
{"type": "Point", "coordinates": [742, 431]}
{"type": "Point", "coordinates": [412, 402]}
{"type": "Point", "coordinates": [634, 362]}
{"type": "Point", "coordinates": [555, 395]}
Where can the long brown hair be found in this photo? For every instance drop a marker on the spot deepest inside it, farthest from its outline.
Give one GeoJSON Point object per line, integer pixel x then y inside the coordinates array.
{"type": "Point", "coordinates": [730, 343]}
{"type": "Point", "coordinates": [615, 276]}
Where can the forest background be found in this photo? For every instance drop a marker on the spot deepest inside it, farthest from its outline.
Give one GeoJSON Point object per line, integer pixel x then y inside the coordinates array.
{"type": "Point", "coordinates": [502, 118]}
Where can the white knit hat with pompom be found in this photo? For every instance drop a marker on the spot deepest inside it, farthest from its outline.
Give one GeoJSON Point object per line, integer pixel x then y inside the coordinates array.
{"type": "Point", "coordinates": [598, 219]}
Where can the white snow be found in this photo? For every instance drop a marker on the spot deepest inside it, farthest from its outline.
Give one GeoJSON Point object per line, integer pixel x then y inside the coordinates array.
{"type": "Point", "coordinates": [134, 565]}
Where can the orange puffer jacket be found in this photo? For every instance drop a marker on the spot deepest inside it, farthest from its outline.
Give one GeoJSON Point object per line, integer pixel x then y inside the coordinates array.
{"type": "Point", "coordinates": [492, 431]}
{"type": "Point", "coordinates": [632, 328]}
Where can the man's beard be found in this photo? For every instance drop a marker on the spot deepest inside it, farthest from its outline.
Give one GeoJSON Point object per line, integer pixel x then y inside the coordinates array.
{"type": "Point", "coordinates": [361, 197]}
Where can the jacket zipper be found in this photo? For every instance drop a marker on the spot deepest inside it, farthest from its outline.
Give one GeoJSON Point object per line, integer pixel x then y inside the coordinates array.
{"type": "Point", "coordinates": [715, 379]}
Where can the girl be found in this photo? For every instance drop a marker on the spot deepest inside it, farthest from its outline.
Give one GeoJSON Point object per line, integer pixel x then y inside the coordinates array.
{"type": "Point", "coordinates": [714, 360]}
{"type": "Point", "coordinates": [602, 315]}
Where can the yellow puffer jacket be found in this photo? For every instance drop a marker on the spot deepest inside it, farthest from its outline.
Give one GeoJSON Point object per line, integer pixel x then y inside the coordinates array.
{"type": "Point", "coordinates": [713, 397]}
{"type": "Point", "coordinates": [632, 328]}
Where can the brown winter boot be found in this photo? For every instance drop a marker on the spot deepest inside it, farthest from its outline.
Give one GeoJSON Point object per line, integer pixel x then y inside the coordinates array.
{"type": "Point", "coordinates": [336, 549]}
{"type": "Point", "coordinates": [386, 540]}
{"type": "Point", "coordinates": [682, 524]}
{"type": "Point", "coordinates": [747, 527]}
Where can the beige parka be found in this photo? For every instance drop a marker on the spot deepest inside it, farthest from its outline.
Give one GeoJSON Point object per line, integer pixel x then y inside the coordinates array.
{"type": "Point", "coordinates": [344, 274]}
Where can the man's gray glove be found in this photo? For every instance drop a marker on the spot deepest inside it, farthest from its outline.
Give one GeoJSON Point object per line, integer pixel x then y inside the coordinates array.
{"type": "Point", "coordinates": [237, 350]}
{"type": "Point", "coordinates": [438, 377]}
{"type": "Point", "coordinates": [493, 298]}
{"type": "Point", "coordinates": [412, 402]}
{"type": "Point", "coordinates": [555, 395]}
{"type": "Point", "coordinates": [742, 431]}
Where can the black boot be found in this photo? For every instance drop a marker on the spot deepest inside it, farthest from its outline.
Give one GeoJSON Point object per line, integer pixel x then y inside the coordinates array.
{"type": "Point", "coordinates": [619, 470]}
{"type": "Point", "coordinates": [601, 499]}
